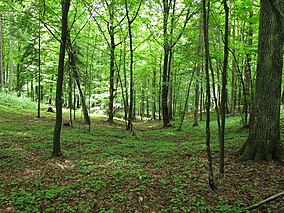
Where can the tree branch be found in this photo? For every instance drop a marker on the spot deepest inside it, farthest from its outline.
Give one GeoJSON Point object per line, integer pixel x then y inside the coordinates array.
{"type": "Point", "coordinates": [265, 201]}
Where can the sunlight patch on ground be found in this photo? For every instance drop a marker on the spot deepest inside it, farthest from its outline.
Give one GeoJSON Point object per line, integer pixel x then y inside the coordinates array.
{"type": "Point", "coordinates": [66, 164]}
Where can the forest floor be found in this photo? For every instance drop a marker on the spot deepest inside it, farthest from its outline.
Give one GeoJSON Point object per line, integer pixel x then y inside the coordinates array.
{"type": "Point", "coordinates": [111, 170]}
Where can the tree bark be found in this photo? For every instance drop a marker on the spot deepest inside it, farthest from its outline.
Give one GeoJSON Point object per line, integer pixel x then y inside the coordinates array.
{"type": "Point", "coordinates": [57, 130]}
{"type": "Point", "coordinates": [199, 53]}
{"type": "Point", "coordinates": [208, 95]}
{"type": "Point", "coordinates": [224, 89]}
{"type": "Point", "coordinates": [72, 61]}
{"type": "Point", "coordinates": [263, 142]}
{"type": "Point", "coordinates": [131, 97]}
{"type": "Point", "coordinates": [1, 55]}
{"type": "Point", "coordinates": [154, 94]}
{"type": "Point", "coordinates": [11, 73]}
{"type": "Point", "coordinates": [39, 68]}
{"type": "Point", "coordinates": [111, 74]}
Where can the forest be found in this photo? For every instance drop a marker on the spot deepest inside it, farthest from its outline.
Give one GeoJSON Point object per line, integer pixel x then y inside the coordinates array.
{"type": "Point", "coordinates": [141, 106]}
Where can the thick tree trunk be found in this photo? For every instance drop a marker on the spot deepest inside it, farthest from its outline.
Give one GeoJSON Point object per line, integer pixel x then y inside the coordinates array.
{"type": "Point", "coordinates": [57, 130]}
{"type": "Point", "coordinates": [263, 142]}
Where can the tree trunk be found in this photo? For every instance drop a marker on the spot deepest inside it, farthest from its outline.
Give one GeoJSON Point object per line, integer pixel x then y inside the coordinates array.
{"type": "Point", "coordinates": [170, 82]}
{"type": "Point", "coordinates": [77, 80]}
{"type": "Point", "coordinates": [201, 104]}
{"type": "Point", "coordinates": [186, 101]}
{"type": "Point", "coordinates": [142, 105]}
{"type": "Point", "coordinates": [50, 90]}
{"type": "Point", "coordinates": [165, 83]}
{"type": "Point", "coordinates": [1, 56]}
{"type": "Point", "coordinates": [39, 69]}
{"type": "Point", "coordinates": [57, 130]}
{"type": "Point", "coordinates": [111, 75]}
{"type": "Point", "coordinates": [199, 53]}
{"type": "Point", "coordinates": [224, 89]}
{"type": "Point", "coordinates": [130, 21]}
{"type": "Point", "coordinates": [11, 73]}
{"type": "Point", "coordinates": [208, 95]}
{"type": "Point", "coordinates": [263, 142]}
{"type": "Point", "coordinates": [154, 94]}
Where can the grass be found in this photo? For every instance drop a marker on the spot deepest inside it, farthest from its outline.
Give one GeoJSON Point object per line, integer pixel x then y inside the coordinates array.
{"type": "Point", "coordinates": [110, 170]}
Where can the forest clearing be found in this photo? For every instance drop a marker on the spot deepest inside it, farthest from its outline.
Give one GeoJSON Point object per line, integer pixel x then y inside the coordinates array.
{"type": "Point", "coordinates": [111, 170]}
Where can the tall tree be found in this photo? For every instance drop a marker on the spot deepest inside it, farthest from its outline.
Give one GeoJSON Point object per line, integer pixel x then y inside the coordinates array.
{"type": "Point", "coordinates": [206, 11]}
{"type": "Point", "coordinates": [11, 73]}
{"type": "Point", "coordinates": [263, 142]}
{"type": "Point", "coordinates": [130, 22]}
{"type": "Point", "coordinates": [224, 87]}
{"type": "Point", "coordinates": [169, 19]}
{"type": "Point", "coordinates": [39, 65]}
{"type": "Point", "coordinates": [1, 55]}
{"type": "Point", "coordinates": [199, 64]}
{"type": "Point", "coordinates": [57, 130]}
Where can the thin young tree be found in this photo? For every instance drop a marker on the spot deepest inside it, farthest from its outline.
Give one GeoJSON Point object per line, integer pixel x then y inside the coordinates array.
{"type": "Point", "coordinates": [224, 88]}
{"type": "Point", "coordinates": [39, 65]}
{"type": "Point", "coordinates": [208, 94]}
{"type": "Point", "coordinates": [199, 65]}
{"type": "Point", "coordinates": [1, 55]}
{"type": "Point", "coordinates": [57, 130]}
{"type": "Point", "coordinates": [130, 22]}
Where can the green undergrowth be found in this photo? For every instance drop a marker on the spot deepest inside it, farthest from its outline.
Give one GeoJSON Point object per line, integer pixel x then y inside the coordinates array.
{"type": "Point", "coordinates": [109, 169]}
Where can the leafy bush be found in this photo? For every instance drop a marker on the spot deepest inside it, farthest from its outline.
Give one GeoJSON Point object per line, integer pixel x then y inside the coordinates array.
{"type": "Point", "coordinates": [12, 100]}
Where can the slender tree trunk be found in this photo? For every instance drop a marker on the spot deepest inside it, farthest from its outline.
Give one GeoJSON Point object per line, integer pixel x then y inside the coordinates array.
{"type": "Point", "coordinates": [72, 59]}
{"type": "Point", "coordinates": [111, 75]}
{"type": "Point", "coordinates": [130, 114]}
{"type": "Point", "coordinates": [199, 53]}
{"type": "Point", "coordinates": [142, 105]}
{"type": "Point", "coordinates": [160, 89]}
{"type": "Point", "coordinates": [154, 94]}
{"type": "Point", "coordinates": [224, 88]}
{"type": "Point", "coordinates": [201, 104]}
{"type": "Point", "coordinates": [39, 68]}
{"type": "Point", "coordinates": [11, 73]}
{"type": "Point", "coordinates": [50, 90]}
{"type": "Point", "coordinates": [186, 101]}
{"type": "Point", "coordinates": [130, 21]}
{"type": "Point", "coordinates": [233, 88]}
{"type": "Point", "coordinates": [32, 89]}
{"type": "Point", "coordinates": [170, 82]}
{"type": "Point", "coordinates": [70, 104]}
{"type": "Point", "coordinates": [263, 142]}
{"type": "Point", "coordinates": [57, 130]}
{"type": "Point", "coordinates": [1, 56]}
{"type": "Point", "coordinates": [167, 49]}
{"type": "Point", "coordinates": [208, 95]}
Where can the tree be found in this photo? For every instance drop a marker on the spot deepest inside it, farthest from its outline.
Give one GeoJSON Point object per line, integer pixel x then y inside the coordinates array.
{"type": "Point", "coordinates": [224, 87]}
{"type": "Point", "coordinates": [57, 130]}
{"type": "Point", "coordinates": [206, 12]}
{"type": "Point", "coordinates": [130, 21]}
{"type": "Point", "coordinates": [263, 142]}
{"type": "Point", "coordinates": [1, 55]}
